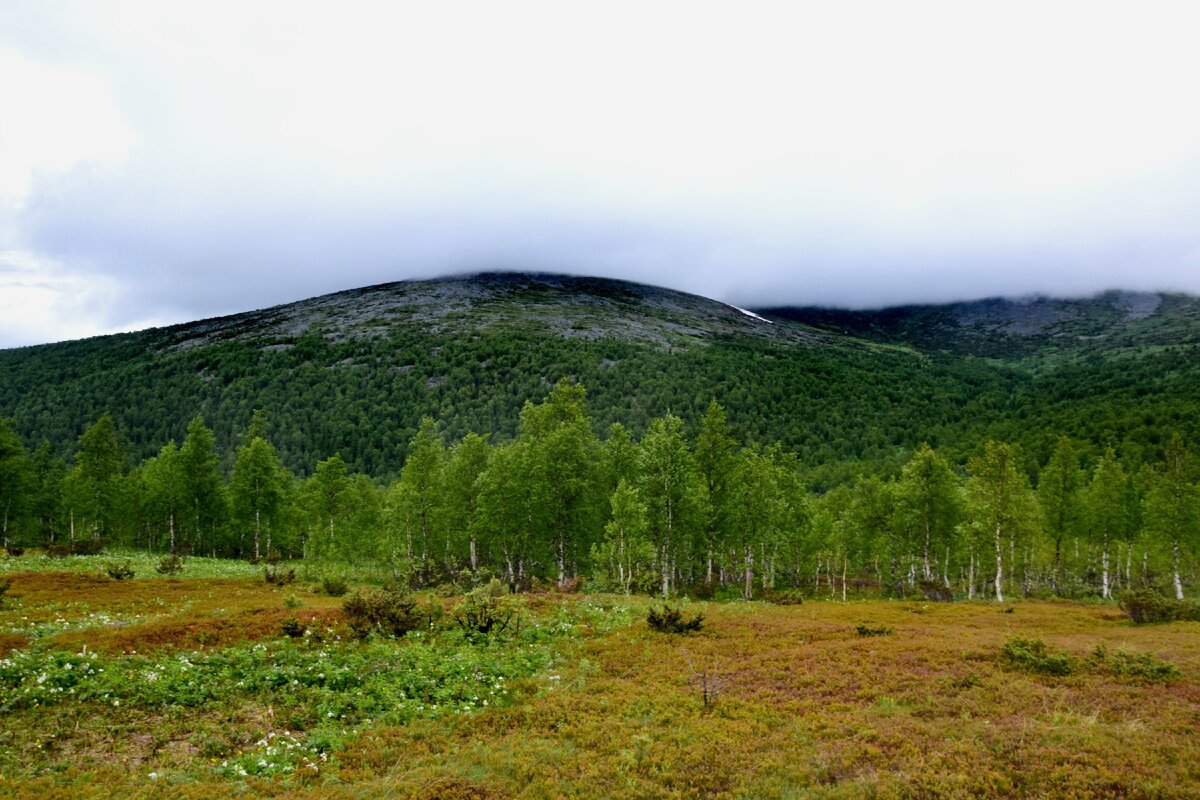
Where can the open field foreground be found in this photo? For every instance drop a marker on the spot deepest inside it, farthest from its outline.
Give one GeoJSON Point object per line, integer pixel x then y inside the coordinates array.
{"type": "Point", "coordinates": [191, 688]}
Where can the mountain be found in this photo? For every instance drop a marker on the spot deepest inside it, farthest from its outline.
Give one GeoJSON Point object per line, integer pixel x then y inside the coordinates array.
{"type": "Point", "coordinates": [1026, 329]}
{"type": "Point", "coordinates": [353, 372]}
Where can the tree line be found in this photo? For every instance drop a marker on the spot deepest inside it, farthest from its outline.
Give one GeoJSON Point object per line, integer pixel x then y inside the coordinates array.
{"type": "Point", "coordinates": [664, 513]}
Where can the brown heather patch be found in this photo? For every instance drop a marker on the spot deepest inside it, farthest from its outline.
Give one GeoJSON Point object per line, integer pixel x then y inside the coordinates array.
{"type": "Point", "coordinates": [10, 642]}
{"type": "Point", "coordinates": [174, 633]}
{"type": "Point", "coordinates": [71, 596]}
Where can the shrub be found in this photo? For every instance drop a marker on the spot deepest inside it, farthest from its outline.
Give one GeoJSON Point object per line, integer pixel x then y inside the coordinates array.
{"type": "Point", "coordinates": [171, 564]}
{"type": "Point", "coordinates": [5, 585]}
{"type": "Point", "coordinates": [334, 585]}
{"type": "Point", "coordinates": [1141, 667]}
{"type": "Point", "coordinates": [1146, 605]}
{"type": "Point", "coordinates": [867, 630]}
{"type": "Point", "coordinates": [707, 680]}
{"type": "Point", "coordinates": [1032, 655]}
{"type": "Point", "coordinates": [390, 611]}
{"type": "Point", "coordinates": [278, 576]}
{"type": "Point", "coordinates": [119, 570]}
{"type": "Point", "coordinates": [15, 550]}
{"type": "Point", "coordinates": [483, 611]}
{"type": "Point", "coordinates": [935, 591]}
{"type": "Point", "coordinates": [784, 597]}
{"type": "Point", "coordinates": [432, 614]}
{"type": "Point", "coordinates": [58, 550]}
{"type": "Point", "coordinates": [86, 547]}
{"type": "Point", "coordinates": [571, 585]}
{"type": "Point", "coordinates": [702, 590]}
{"type": "Point", "coordinates": [292, 627]}
{"type": "Point", "coordinates": [291, 601]}
{"type": "Point", "coordinates": [671, 620]}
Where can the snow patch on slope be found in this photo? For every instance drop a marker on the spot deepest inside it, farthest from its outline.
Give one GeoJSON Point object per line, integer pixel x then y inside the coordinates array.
{"type": "Point", "coordinates": [752, 314]}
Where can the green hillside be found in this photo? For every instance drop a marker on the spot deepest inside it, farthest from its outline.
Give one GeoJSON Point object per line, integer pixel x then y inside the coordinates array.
{"type": "Point", "coordinates": [354, 372]}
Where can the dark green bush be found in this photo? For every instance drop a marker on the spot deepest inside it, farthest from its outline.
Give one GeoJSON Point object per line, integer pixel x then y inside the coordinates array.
{"type": "Point", "coordinates": [1032, 655]}
{"type": "Point", "coordinates": [171, 564]}
{"type": "Point", "coordinates": [119, 570]}
{"type": "Point", "coordinates": [484, 611]}
{"type": "Point", "coordinates": [390, 611]}
{"type": "Point", "coordinates": [1146, 605]}
{"type": "Point", "coordinates": [15, 550]}
{"type": "Point", "coordinates": [278, 576]}
{"type": "Point", "coordinates": [784, 597]}
{"type": "Point", "coordinates": [867, 630]}
{"type": "Point", "coordinates": [1140, 667]}
{"type": "Point", "coordinates": [58, 550]}
{"type": "Point", "coordinates": [702, 590]}
{"type": "Point", "coordinates": [671, 620]}
{"type": "Point", "coordinates": [87, 547]}
{"type": "Point", "coordinates": [935, 591]}
{"type": "Point", "coordinates": [292, 627]}
{"type": "Point", "coordinates": [334, 585]}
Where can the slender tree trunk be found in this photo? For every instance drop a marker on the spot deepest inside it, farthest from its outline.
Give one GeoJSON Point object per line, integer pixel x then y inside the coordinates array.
{"type": "Point", "coordinates": [971, 576]}
{"type": "Point", "coordinates": [621, 565]}
{"type": "Point", "coordinates": [666, 570]}
{"type": "Point", "coordinates": [1104, 589]}
{"type": "Point", "coordinates": [257, 530]}
{"type": "Point", "coordinates": [845, 569]}
{"type": "Point", "coordinates": [562, 563]}
{"type": "Point", "coordinates": [925, 552]}
{"type": "Point", "coordinates": [474, 556]}
{"type": "Point", "coordinates": [171, 519]}
{"type": "Point", "coordinates": [748, 574]}
{"type": "Point", "coordinates": [1175, 570]}
{"type": "Point", "coordinates": [999, 567]}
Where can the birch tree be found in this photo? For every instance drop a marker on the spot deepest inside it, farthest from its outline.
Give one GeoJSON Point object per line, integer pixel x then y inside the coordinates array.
{"type": "Point", "coordinates": [1173, 507]}
{"type": "Point", "coordinates": [671, 491]}
{"type": "Point", "coordinates": [1000, 504]}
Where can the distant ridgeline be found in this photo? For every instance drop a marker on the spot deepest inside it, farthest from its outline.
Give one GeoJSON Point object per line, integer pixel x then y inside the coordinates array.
{"type": "Point", "coordinates": [836, 403]}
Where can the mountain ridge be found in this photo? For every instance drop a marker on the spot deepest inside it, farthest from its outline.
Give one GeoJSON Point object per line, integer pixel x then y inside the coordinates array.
{"type": "Point", "coordinates": [354, 371]}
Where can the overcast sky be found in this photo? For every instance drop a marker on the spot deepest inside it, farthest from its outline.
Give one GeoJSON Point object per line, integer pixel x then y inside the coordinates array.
{"type": "Point", "coordinates": [162, 161]}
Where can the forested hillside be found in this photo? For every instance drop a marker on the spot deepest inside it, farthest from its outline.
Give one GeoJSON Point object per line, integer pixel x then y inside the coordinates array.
{"type": "Point", "coordinates": [548, 428]}
{"type": "Point", "coordinates": [846, 392]}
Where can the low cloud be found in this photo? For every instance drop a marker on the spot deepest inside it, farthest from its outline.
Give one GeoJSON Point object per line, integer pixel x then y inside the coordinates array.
{"type": "Point", "coordinates": [213, 160]}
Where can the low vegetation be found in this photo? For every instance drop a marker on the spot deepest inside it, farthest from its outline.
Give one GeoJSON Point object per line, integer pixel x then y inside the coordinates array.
{"type": "Point", "coordinates": [211, 687]}
{"type": "Point", "coordinates": [670, 619]}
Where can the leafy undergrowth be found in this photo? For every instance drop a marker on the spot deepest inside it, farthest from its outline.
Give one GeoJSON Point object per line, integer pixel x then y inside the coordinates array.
{"type": "Point", "coordinates": [582, 700]}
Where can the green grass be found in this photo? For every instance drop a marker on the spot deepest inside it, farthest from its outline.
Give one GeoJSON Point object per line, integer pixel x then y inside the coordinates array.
{"type": "Point", "coordinates": [143, 563]}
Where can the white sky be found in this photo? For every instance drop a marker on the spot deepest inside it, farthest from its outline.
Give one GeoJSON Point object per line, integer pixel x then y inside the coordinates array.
{"type": "Point", "coordinates": [162, 162]}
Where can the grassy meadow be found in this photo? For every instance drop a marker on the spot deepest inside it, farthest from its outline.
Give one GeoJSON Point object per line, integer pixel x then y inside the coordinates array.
{"type": "Point", "coordinates": [216, 684]}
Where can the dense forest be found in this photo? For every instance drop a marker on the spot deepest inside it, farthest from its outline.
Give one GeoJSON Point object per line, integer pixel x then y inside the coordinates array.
{"type": "Point", "coordinates": [664, 512]}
